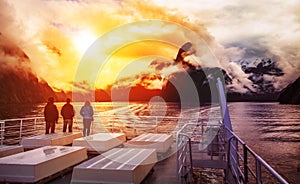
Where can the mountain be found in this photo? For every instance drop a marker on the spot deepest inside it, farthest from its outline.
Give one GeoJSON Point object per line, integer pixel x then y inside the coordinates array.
{"type": "Point", "coordinates": [102, 96]}
{"type": "Point", "coordinates": [262, 73]}
{"type": "Point", "coordinates": [193, 85]}
{"type": "Point", "coordinates": [15, 88]}
{"type": "Point", "coordinates": [291, 94]}
{"type": "Point", "coordinates": [18, 84]}
{"type": "Point", "coordinates": [261, 66]}
{"type": "Point", "coordinates": [260, 69]}
{"type": "Point", "coordinates": [130, 93]}
{"type": "Point", "coordinates": [259, 86]}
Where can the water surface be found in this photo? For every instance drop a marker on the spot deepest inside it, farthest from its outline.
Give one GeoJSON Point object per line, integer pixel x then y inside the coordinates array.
{"type": "Point", "coordinates": [272, 130]}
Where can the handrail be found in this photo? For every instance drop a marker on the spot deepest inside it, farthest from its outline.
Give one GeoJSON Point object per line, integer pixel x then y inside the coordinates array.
{"type": "Point", "coordinates": [244, 176]}
{"type": "Point", "coordinates": [180, 157]}
{"type": "Point", "coordinates": [12, 130]}
{"type": "Point", "coordinates": [17, 119]}
{"type": "Point", "coordinates": [2, 129]}
{"type": "Point", "coordinates": [19, 127]}
{"type": "Point", "coordinates": [239, 157]}
{"type": "Point", "coordinates": [184, 152]}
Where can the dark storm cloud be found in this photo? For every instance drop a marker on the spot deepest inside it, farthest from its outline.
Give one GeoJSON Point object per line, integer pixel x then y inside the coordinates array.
{"type": "Point", "coordinates": [253, 48]}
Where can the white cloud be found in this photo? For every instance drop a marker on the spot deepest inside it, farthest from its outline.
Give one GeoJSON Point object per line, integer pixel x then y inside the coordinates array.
{"type": "Point", "coordinates": [240, 82]}
{"type": "Point", "coordinates": [266, 28]}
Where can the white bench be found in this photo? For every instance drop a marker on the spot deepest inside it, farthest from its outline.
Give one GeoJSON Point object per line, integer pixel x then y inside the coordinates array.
{"type": "Point", "coordinates": [34, 165]}
{"type": "Point", "coordinates": [10, 150]}
{"type": "Point", "coordinates": [100, 142]}
{"type": "Point", "coordinates": [57, 139]}
{"type": "Point", "coordinates": [118, 165]}
{"type": "Point", "coordinates": [160, 142]}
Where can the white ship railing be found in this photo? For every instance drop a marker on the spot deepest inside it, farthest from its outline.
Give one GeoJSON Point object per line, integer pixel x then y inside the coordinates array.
{"type": "Point", "coordinates": [192, 139]}
{"type": "Point", "coordinates": [248, 167]}
{"type": "Point", "coordinates": [12, 130]}
{"type": "Point", "coordinates": [241, 164]}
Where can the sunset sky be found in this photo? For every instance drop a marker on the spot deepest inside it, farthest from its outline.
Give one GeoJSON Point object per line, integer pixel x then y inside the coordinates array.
{"type": "Point", "coordinates": [57, 35]}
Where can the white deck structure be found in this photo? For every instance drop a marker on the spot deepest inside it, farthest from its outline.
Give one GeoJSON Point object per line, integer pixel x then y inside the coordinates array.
{"type": "Point", "coordinates": [100, 142]}
{"type": "Point", "coordinates": [160, 142]}
{"type": "Point", "coordinates": [10, 150]}
{"type": "Point", "coordinates": [119, 165]}
{"type": "Point", "coordinates": [57, 139]}
{"type": "Point", "coordinates": [34, 165]}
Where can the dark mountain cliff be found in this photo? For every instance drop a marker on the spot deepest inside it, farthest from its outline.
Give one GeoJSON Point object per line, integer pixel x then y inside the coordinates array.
{"type": "Point", "coordinates": [291, 94]}
{"type": "Point", "coordinates": [15, 88]}
{"type": "Point", "coordinates": [197, 84]}
{"type": "Point", "coordinates": [18, 84]}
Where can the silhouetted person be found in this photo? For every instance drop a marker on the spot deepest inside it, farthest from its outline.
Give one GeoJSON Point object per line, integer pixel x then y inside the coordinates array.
{"type": "Point", "coordinates": [68, 113]}
{"type": "Point", "coordinates": [51, 115]}
{"type": "Point", "coordinates": [87, 113]}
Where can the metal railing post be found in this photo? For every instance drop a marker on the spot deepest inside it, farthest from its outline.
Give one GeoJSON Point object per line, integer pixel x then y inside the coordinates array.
{"type": "Point", "coordinates": [258, 171]}
{"type": "Point", "coordinates": [134, 128]}
{"type": "Point", "coordinates": [156, 124]}
{"type": "Point", "coordinates": [2, 129]}
{"type": "Point", "coordinates": [177, 154]}
{"type": "Point", "coordinates": [228, 157]}
{"type": "Point", "coordinates": [245, 163]}
{"type": "Point", "coordinates": [191, 156]}
{"type": "Point", "coordinates": [35, 126]}
{"type": "Point", "coordinates": [21, 128]}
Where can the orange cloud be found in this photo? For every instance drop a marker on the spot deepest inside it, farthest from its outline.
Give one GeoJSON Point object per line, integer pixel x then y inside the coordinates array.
{"type": "Point", "coordinates": [57, 38]}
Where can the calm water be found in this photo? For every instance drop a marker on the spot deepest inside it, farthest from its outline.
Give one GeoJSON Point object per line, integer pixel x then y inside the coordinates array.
{"type": "Point", "coordinates": [272, 130]}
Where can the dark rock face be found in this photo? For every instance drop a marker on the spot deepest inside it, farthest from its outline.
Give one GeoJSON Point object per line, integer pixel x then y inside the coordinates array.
{"type": "Point", "coordinates": [291, 94]}
{"type": "Point", "coordinates": [193, 85]}
{"type": "Point", "coordinates": [18, 84]}
{"type": "Point", "coordinates": [15, 88]}
{"type": "Point", "coordinates": [196, 86]}
{"type": "Point", "coordinates": [252, 97]}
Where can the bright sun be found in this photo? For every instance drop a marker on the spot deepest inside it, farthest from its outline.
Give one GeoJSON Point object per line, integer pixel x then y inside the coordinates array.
{"type": "Point", "coordinates": [83, 40]}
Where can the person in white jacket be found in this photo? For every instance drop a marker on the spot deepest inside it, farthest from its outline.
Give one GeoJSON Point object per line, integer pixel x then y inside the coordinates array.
{"type": "Point", "coordinates": [87, 113]}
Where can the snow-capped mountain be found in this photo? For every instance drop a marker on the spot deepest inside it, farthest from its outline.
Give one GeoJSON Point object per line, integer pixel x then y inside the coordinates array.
{"type": "Point", "coordinates": [263, 74]}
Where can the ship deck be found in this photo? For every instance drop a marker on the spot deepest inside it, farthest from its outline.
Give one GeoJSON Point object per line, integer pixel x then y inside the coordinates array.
{"type": "Point", "coordinates": [163, 171]}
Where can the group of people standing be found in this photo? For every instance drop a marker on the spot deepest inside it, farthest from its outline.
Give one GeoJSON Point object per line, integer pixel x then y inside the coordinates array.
{"type": "Point", "coordinates": [68, 112]}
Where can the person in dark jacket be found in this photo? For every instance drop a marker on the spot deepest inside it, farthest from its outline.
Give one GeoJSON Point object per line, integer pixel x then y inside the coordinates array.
{"type": "Point", "coordinates": [51, 115]}
{"type": "Point", "coordinates": [68, 113]}
{"type": "Point", "coordinates": [87, 113]}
